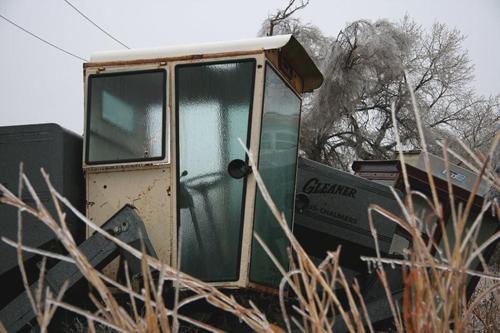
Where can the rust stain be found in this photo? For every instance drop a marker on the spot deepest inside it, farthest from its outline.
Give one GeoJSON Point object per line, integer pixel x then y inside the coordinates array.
{"type": "Point", "coordinates": [169, 59]}
{"type": "Point", "coordinates": [124, 167]}
{"type": "Point", "coordinates": [137, 198]}
{"type": "Point", "coordinates": [264, 289]}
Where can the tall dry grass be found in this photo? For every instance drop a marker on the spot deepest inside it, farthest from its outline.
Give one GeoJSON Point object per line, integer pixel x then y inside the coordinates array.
{"type": "Point", "coordinates": [312, 298]}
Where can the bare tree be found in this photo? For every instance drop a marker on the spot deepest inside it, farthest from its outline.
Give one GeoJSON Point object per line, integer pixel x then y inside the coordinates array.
{"type": "Point", "coordinates": [365, 71]}
{"type": "Point", "coordinates": [481, 124]}
{"type": "Point", "coordinates": [283, 14]}
{"type": "Point", "coordinates": [485, 315]}
{"type": "Point", "coordinates": [310, 36]}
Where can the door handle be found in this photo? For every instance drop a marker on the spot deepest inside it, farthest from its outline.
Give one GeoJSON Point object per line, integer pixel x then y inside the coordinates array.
{"type": "Point", "coordinates": [238, 169]}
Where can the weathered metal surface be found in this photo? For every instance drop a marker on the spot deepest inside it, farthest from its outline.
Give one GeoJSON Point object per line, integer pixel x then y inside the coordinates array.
{"type": "Point", "coordinates": [126, 225]}
{"type": "Point", "coordinates": [262, 43]}
{"type": "Point", "coordinates": [462, 182]}
{"type": "Point", "coordinates": [459, 176]}
{"type": "Point", "coordinates": [291, 75]}
{"type": "Point", "coordinates": [149, 190]}
{"type": "Point", "coordinates": [338, 206]}
{"type": "Point", "coordinates": [162, 61]}
{"type": "Point", "coordinates": [389, 172]}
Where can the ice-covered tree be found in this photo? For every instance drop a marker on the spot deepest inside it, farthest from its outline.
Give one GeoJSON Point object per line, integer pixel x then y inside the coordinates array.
{"type": "Point", "coordinates": [366, 68]}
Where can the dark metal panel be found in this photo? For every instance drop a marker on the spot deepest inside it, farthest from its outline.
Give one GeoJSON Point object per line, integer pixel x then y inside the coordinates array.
{"type": "Point", "coordinates": [59, 152]}
{"type": "Point", "coordinates": [126, 225]}
{"type": "Point", "coordinates": [459, 176]}
{"type": "Point", "coordinates": [339, 202]}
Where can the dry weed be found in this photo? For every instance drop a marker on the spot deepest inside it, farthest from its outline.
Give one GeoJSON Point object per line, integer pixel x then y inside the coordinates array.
{"type": "Point", "coordinates": [435, 275]}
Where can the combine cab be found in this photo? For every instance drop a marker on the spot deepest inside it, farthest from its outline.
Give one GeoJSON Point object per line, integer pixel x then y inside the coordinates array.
{"type": "Point", "coordinates": [166, 131]}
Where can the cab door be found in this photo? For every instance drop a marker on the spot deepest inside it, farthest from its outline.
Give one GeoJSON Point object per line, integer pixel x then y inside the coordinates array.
{"type": "Point", "coordinates": [213, 111]}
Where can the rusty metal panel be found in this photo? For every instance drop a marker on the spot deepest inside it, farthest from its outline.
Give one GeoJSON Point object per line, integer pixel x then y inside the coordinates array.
{"type": "Point", "coordinates": [148, 190]}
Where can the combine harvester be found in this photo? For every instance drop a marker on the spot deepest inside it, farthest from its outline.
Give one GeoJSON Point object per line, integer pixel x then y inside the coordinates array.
{"type": "Point", "coordinates": [161, 162]}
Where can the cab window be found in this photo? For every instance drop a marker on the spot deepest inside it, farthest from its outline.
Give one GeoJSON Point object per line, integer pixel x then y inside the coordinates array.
{"type": "Point", "coordinates": [126, 117]}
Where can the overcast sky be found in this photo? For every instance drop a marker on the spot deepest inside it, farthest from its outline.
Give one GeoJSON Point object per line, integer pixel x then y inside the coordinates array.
{"type": "Point", "coordinates": [40, 84]}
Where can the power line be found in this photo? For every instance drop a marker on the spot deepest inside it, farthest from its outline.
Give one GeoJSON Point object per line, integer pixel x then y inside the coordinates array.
{"type": "Point", "coordinates": [41, 39]}
{"type": "Point", "coordinates": [95, 24]}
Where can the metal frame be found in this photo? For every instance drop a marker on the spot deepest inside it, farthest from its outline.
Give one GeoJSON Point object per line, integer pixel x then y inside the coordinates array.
{"type": "Point", "coordinates": [115, 70]}
{"type": "Point", "coordinates": [286, 81]}
{"type": "Point", "coordinates": [254, 138]}
{"type": "Point", "coordinates": [164, 116]}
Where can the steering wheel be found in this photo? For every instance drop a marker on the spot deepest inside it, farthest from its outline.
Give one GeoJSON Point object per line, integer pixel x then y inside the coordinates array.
{"type": "Point", "coordinates": [204, 182]}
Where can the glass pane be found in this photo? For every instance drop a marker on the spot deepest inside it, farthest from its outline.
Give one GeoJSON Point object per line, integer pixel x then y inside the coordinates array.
{"type": "Point", "coordinates": [277, 166]}
{"type": "Point", "coordinates": [214, 103]}
{"type": "Point", "coordinates": [126, 116]}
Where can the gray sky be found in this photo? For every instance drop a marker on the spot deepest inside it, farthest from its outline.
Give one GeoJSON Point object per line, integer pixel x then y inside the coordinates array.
{"type": "Point", "coordinates": [41, 84]}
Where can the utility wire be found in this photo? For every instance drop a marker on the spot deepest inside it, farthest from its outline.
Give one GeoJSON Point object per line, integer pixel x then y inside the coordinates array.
{"type": "Point", "coordinates": [95, 24]}
{"type": "Point", "coordinates": [41, 39]}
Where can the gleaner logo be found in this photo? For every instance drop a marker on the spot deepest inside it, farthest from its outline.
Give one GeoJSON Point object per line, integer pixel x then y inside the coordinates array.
{"type": "Point", "coordinates": [313, 185]}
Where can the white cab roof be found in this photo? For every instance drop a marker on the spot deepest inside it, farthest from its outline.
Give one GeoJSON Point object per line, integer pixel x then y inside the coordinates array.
{"type": "Point", "coordinates": [265, 43]}
{"type": "Point", "coordinates": [290, 48]}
